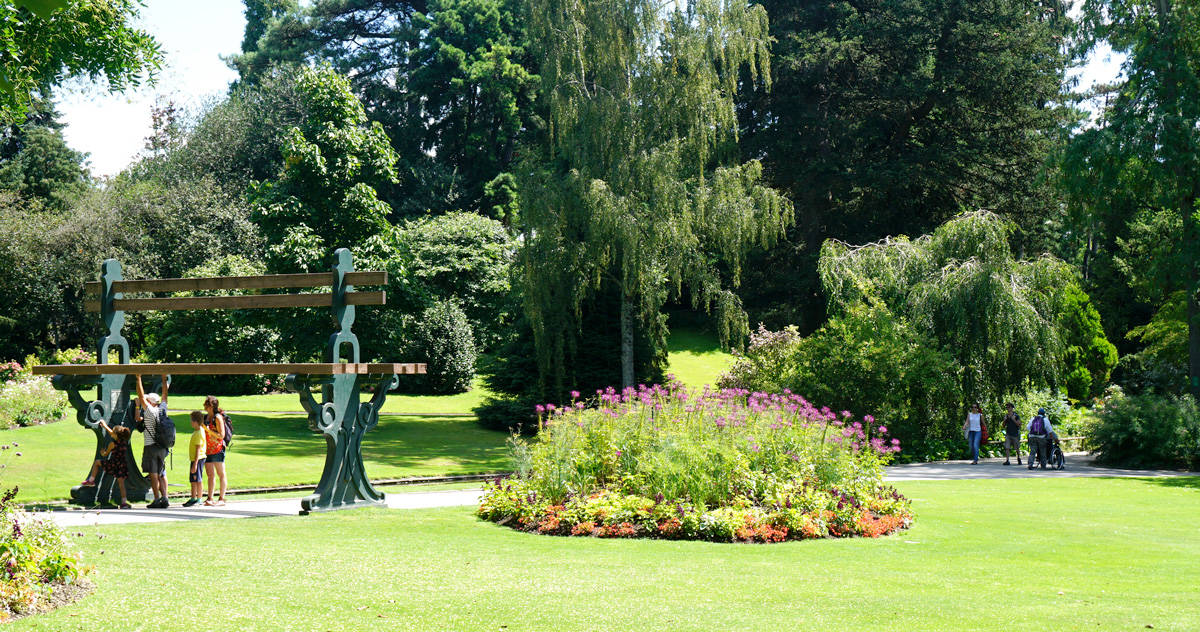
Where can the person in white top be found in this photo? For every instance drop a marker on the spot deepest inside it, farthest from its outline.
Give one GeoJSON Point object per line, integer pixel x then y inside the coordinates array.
{"type": "Point", "coordinates": [973, 427]}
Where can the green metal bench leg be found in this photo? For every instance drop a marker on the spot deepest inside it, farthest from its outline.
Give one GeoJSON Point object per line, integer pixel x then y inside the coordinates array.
{"type": "Point", "coordinates": [343, 420]}
{"type": "Point", "coordinates": [113, 407]}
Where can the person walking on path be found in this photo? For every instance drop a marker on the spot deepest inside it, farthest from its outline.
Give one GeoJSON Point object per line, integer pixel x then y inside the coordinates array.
{"type": "Point", "coordinates": [214, 460]}
{"type": "Point", "coordinates": [1039, 430]}
{"type": "Point", "coordinates": [154, 456]}
{"type": "Point", "coordinates": [1012, 433]}
{"type": "Point", "coordinates": [974, 429]}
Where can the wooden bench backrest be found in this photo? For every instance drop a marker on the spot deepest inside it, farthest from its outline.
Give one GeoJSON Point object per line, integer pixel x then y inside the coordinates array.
{"type": "Point", "coordinates": [250, 301]}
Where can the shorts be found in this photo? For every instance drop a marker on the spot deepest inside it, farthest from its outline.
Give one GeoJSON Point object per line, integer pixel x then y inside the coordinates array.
{"type": "Point", "coordinates": [198, 475]}
{"type": "Point", "coordinates": [154, 460]}
{"type": "Point", "coordinates": [215, 458]}
{"type": "Point", "coordinates": [1012, 441]}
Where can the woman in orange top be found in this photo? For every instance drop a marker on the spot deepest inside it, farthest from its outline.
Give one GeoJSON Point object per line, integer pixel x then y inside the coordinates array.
{"type": "Point", "coordinates": [214, 450]}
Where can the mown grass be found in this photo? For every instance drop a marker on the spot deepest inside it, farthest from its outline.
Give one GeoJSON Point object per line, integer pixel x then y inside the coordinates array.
{"type": "Point", "coordinates": [695, 357]}
{"type": "Point", "coordinates": [1064, 554]}
{"type": "Point", "coordinates": [269, 450]}
{"type": "Point", "coordinates": [276, 449]}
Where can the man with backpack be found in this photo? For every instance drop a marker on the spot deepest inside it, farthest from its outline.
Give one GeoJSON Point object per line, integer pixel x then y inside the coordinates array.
{"type": "Point", "coordinates": [159, 433]}
{"type": "Point", "coordinates": [1039, 431]}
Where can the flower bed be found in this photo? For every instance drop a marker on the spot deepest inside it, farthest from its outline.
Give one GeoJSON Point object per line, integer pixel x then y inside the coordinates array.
{"type": "Point", "coordinates": [27, 400]}
{"type": "Point", "coordinates": [724, 466]}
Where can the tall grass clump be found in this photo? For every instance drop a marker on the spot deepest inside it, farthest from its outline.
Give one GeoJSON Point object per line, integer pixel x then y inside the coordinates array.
{"type": "Point", "coordinates": [718, 465]}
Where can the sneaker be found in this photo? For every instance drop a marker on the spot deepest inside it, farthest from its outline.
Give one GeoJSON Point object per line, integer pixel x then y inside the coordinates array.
{"type": "Point", "coordinates": [158, 503]}
{"type": "Point", "coordinates": [126, 506]}
{"type": "Point", "coordinates": [87, 482]}
{"type": "Point", "coordinates": [1006, 463]}
{"type": "Point", "coordinates": [191, 501]}
{"type": "Point", "coordinates": [1018, 461]}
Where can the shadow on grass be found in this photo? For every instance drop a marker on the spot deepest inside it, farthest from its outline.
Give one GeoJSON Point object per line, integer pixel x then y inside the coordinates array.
{"type": "Point", "coordinates": [1181, 482]}
{"type": "Point", "coordinates": [692, 340]}
{"type": "Point", "coordinates": [401, 442]}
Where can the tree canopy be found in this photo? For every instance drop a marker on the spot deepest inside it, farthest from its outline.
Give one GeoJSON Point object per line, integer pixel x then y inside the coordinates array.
{"type": "Point", "coordinates": [43, 43]}
{"type": "Point", "coordinates": [995, 313]}
{"type": "Point", "coordinates": [637, 184]}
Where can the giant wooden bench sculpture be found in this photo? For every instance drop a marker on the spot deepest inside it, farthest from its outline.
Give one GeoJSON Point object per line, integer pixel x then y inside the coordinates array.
{"type": "Point", "coordinates": [340, 415]}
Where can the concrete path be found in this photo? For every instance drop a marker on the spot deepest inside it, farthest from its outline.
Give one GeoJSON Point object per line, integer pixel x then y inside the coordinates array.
{"type": "Point", "coordinates": [1078, 465]}
{"type": "Point", "coordinates": [243, 509]}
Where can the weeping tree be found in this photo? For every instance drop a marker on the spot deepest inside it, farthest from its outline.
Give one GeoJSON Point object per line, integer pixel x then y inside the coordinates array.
{"type": "Point", "coordinates": [637, 185]}
{"type": "Point", "coordinates": [996, 314]}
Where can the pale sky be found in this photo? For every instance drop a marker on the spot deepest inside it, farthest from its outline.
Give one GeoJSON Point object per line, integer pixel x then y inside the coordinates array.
{"type": "Point", "coordinates": [194, 35]}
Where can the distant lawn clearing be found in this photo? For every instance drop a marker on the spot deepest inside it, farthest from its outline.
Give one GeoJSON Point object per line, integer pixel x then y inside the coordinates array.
{"type": "Point", "coordinates": [1063, 554]}
{"type": "Point", "coordinates": [268, 450]}
{"type": "Point", "coordinates": [695, 357]}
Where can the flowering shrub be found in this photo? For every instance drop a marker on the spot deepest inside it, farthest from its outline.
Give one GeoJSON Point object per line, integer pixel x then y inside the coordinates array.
{"type": "Point", "coordinates": [36, 557]}
{"type": "Point", "coordinates": [30, 400]}
{"type": "Point", "coordinates": [9, 372]}
{"type": "Point", "coordinates": [725, 465]}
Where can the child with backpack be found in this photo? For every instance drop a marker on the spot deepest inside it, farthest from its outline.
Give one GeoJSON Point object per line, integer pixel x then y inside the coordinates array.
{"type": "Point", "coordinates": [159, 433]}
{"type": "Point", "coordinates": [1039, 431]}
{"type": "Point", "coordinates": [197, 448]}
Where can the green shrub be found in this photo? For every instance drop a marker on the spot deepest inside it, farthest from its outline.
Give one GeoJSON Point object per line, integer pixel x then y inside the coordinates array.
{"type": "Point", "coordinates": [722, 466]}
{"type": "Point", "coordinates": [865, 360]}
{"type": "Point", "coordinates": [1149, 430]}
{"type": "Point", "coordinates": [217, 335]}
{"type": "Point", "coordinates": [31, 400]}
{"type": "Point", "coordinates": [509, 414]}
{"type": "Point", "coordinates": [464, 257]}
{"type": "Point", "coordinates": [441, 337]}
{"type": "Point", "coordinates": [1090, 357]}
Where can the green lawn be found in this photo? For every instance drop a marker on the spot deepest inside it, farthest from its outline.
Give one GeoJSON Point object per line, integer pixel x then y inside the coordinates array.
{"type": "Point", "coordinates": [695, 358]}
{"type": "Point", "coordinates": [1063, 554]}
{"type": "Point", "coordinates": [269, 450]}
{"type": "Point", "coordinates": [459, 403]}
{"type": "Point", "coordinates": [273, 449]}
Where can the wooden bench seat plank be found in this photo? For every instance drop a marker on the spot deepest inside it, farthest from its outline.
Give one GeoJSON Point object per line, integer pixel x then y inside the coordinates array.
{"type": "Point", "coordinates": [232, 368]}
{"type": "Point", "coordinates": [256, 282]}
{"type": "Point", "coordinates": [397, 368]}
{"type": "Point", "coordinates": [253, 301]}
{"type": "Point", "coordinates": [221, 368]}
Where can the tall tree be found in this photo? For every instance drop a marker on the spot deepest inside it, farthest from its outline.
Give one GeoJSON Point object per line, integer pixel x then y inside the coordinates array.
{"type": "Point", "coordinates": [446, 78]}
{"type": "Point", "coordinates": [637, 186]}
{"type": "Point", "coordinates": [888, 118]}
{"type": "Point", "coordinates": [46, 42]}
{"type": "Point", "coordinates": [998, 315]}
{"type": "Point", "coordinates": [1155, 123]}
{"type": "Point", "coordinates": [36, 162]}
{"type": "Point", "coordinates": [325, 196]}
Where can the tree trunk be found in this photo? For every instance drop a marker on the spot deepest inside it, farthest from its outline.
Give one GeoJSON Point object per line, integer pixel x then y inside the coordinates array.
{"type": "Point", "coordinates": [626, 340]}
{"type": "Point", "coordinates": [1191, 243]}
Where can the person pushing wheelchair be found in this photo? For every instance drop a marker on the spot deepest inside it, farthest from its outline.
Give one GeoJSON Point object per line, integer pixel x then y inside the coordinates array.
{"type": "Point", "coordinates": [1041, 437]}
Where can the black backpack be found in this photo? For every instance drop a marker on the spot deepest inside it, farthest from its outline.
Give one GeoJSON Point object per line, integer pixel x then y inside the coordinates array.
{"type": "Point", "coordinates": [164, 430]}
{"type": "Point", "coordinates": [228, 430]}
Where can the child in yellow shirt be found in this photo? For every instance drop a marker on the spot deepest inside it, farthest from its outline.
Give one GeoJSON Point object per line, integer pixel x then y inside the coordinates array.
{"type": "Point", "coordinates": [196, 456]}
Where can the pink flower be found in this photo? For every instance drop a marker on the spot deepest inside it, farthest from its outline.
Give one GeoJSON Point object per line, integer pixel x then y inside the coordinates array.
{"type": "Point", "coordinates": [882, 429]}
{"type": "Point", "coordinates": [574, 394]}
